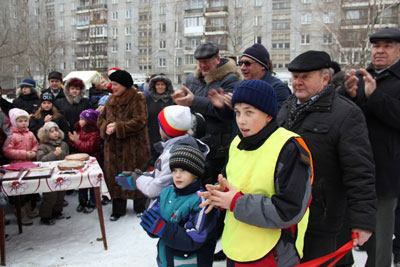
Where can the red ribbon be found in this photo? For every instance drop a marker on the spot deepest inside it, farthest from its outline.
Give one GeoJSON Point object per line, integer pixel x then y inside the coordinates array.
{"type": "Point", "coordinates": [337, 255]}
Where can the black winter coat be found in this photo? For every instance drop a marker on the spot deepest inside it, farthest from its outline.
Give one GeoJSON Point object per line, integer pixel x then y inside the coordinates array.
{"type": "Point", "coordinates": [335, 131]}
{"type": "Point", "coordinates": [95, 95]}
{"type": "Point", "coordinates": [218, 129]}
{"type": "Point", "coordinates": [382, 112]}
{"type": "Point", "coordinates": [59, 96]}
{"type": "Point", "coordinates": [35, 124]}
{"type": "Point", "coordinates": [30, 103]}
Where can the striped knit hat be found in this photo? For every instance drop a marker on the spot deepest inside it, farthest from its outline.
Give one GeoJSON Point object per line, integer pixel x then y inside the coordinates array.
{"type": "Point", "coordinates": [175, 120]}
{"type": "Point", "coordinates": [188, 158]}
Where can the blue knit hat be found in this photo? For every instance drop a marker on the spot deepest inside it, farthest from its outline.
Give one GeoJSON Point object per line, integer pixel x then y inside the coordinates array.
{"type": "Point", "coordinates": [28, 82]}
{"type": "Point", "coordinates": [257, 93]}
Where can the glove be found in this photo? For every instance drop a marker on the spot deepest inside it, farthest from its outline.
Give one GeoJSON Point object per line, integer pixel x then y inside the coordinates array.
{"type": "Point", "coordinates": [125, 181]}
{"type": "Point", "coordinates": [153, 222]}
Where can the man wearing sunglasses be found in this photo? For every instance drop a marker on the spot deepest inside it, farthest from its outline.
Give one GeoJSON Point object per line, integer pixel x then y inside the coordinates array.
{"type": "Point", "coordinates": [211, 73]}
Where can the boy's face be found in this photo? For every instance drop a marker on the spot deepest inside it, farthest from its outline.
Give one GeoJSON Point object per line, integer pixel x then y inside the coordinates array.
{"type": "Point", "coordinates": [82, 122]}
{"type": "Point", "coordinates": [249, 119]}
{"type": "Point", "coordinates": [53, 133]}
{"type": "Point", "coordinates": [164, 137]}
{"type": "Point", "coordinates": [182, 178]}
{"type": "Point", "coordinates": [22, 123]}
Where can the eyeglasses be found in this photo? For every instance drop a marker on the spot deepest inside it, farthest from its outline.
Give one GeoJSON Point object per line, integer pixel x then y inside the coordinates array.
{"type": "Point", "coordinates": [245, 62]}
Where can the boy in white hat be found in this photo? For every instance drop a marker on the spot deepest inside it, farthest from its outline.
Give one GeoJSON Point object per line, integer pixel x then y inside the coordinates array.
{"type": "Point", "coordinates": [175, 122]}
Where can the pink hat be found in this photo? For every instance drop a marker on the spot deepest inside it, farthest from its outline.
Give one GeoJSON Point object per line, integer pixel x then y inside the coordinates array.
{"type": "Point", "coordinates": [90, 115]}
{"type": "Point", "coordinates": [175, 120]}
{"type": "Point", "coordinates": [15, 113]}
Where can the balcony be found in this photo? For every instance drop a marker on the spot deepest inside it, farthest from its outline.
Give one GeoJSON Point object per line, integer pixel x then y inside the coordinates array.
{"type": "Point", "coordinates": [217, 9]}
{"type": "Point", "coordinates": [215, 28]}
{"type": "Point", "coordinates": [83, 9]}
{"type": "Point", "coordinates": [98, 21]}
{"type": "Point", "coordinates": [82, 23]}
{"type": "Point", "coordinates": [193, 10]}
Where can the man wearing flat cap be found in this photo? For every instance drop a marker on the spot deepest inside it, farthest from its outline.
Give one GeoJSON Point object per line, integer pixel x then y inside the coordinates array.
{"type": "Point", "coordinates": [55, 85]}
{"type": "Point", "coordinates": [335, 131]}
{"type": "Point", "coordinates": [212, 72]}
{"type": "Point", "coordinates": [376, 90]}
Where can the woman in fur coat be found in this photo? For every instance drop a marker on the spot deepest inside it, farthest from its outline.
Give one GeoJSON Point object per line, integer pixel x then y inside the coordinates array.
{"type": "Point", "coordinates": [123, 126]}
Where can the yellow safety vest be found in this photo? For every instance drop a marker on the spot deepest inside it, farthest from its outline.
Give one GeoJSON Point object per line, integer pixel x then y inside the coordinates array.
{"type": "Point", "coordinates": [252, 172]}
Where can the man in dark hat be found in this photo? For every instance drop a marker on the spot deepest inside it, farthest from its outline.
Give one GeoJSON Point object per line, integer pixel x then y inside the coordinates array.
{"type": "Point", "coordinates": [55, 81]}
{"type": "Point", "coordinates": [212, 72]}
{"type": "Point", "coordinates": [336, 133]}
{"type": "Point", "coordinates": [376, 90]}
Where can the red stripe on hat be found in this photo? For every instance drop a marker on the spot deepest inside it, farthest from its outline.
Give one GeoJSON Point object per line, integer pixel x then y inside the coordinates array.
{"type": "Point", "coordinates": [167, 128]}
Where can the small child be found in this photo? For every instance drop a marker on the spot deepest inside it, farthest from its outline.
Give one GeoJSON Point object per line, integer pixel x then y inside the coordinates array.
{"type": "Point", "coordinates": [187, 234]}
{"type": "Point", "coordinates": [174, 123]}
{"type": "Point", "coordinates": [268, 186]}
{"type": "Point", "coordinates": [86, 139]}
{"type": "Point", "coordinates": [21, 146]}
{"type": "Point", "coordinates": [52, 147]}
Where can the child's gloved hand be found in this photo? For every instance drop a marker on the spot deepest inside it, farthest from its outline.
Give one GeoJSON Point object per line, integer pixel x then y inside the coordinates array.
{"type": "Point", "coordinates": [125, 181]}
{"type": "Point", "coordinates": [153, 222]}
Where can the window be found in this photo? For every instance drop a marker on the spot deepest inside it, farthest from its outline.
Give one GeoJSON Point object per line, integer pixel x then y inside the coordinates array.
{"type": "Point", "coordinates": [328, 17]}
{"type": "Point", "coordinates": [178, 61]}
{"type": "Point", "coordinates": [128, 46]}
{"type": "Point", "coordinates": [178, 79]}
{"type": "Point", "coordinates": [114, 48]}
{"type": "Point", "coordinates": [189, 60]}
{"type": "Point", "coordinates": [193, 22]}
{"type": "Point", "coordinates": [73, 6]}
{"type": "Point", "coordinates": [115, 31]}
{"type": "Point", "coordinates": [128, 13]}
{"type": "Point", "coordinates": [257, 20]}
{"type": "Point", "coordinates": [63, 65]}
{"type": "Point", "coordinates": [257, 39]}
{"type": "Point", "coordinates": [61, 8]}
{"type": "Point", "coordinates": [306, 1]}
{"type": "Point", "coordinates": [114, 2]}
{"type": "Point", "coordinates": [73, 21]}
{"type": "Point", "coordinates": [284, 45]}
{"type": "Point", "coordinates": [73, 36]}
{"type": "Point", "coordinates": [239, 3]}
{"type": "Point", "coordinates": [217, 3]}
{"type": "Point", "coordinates": [162, 44]}
{"type": "Point", "coordinates": [128, 30]}
{"type": "Point", "coordinates": [281, 25]}
{"type": "Point", "coordinates": [61, 23]}
{"type": "Point", "coordinates": [178, 43]}
{"type": "Point", "coordinates": [163, 27]}
{"type": "Point", "coordinates": [354, 14]}
{"type": "Point", "coordinates": [217, 22]}
{"type": "Point", "coordinates": [195, 42]}
{"type": "Point", "coordinates": [306, 18]}
{"type": "Point", "coordinates": [284, 5]}
{"type": "Point", "coordinates": [115, 15]}
{"type": "Point", "coordinates": [162, 62]}
{"type": "Point", "coordinates": [258, 2]}
{"type": "Point", "coordinates": [162, 10]}
{"type": "Point", "coordinates": [128, 63]}
{"type": "Point", "coordinates": [327, 38]}
{"type": "Point", "coordinates": [305, 39]}
{"type": "Point", "coordinates": [73, 65]}
{"type": "Point", "coordinates": [36, 11]}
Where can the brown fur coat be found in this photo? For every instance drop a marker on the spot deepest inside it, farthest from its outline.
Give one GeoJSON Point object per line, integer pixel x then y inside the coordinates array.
{"type": "Point", "coordinates": [128, 147]}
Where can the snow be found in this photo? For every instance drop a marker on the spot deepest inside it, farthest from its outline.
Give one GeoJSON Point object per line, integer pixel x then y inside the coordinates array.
{"type": "Point", "coordinates": [73, 241]}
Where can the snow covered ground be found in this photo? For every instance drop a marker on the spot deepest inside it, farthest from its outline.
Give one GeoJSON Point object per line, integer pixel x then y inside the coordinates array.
{"type": "Point", "coordinates": [73, 241]}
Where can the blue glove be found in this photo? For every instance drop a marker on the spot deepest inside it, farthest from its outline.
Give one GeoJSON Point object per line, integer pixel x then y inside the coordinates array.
{"type": "Point", "coordinates": [153, 222]}
{"type": "Point", "coordinates": [125, 181]}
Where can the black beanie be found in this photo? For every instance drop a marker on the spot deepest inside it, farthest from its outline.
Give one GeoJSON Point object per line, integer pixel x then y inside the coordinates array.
{"type": "Point", "coordinates": [257, 93]}
{"type": "Point", "coordinates": [259, 53]}
{"type": "Point", "coordinates": [47, 97]}
{"type": "Point", "coordinates": [122, 77]}
{"type": "Point", "coordinates": [188, 158]}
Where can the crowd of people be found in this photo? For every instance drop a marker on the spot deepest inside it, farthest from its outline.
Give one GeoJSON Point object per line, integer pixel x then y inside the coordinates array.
{"type": "Point", "coordinates": [280, 177]}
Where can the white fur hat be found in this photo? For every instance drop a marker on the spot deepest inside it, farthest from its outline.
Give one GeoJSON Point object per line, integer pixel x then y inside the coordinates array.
{"type": "Point", "coordinates": [15, 113]}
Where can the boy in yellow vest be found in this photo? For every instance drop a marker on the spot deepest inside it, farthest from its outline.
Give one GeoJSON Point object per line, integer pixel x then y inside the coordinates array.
{"type": "Point", "coordinates": [268, 186]}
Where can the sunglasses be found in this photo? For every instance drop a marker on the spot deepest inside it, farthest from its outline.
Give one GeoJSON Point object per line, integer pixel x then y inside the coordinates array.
{"type": "Point", "coordinates": [245, 62]}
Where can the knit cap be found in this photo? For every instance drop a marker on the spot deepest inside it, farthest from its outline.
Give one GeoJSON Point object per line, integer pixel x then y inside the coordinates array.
{"type": "Point", "coordinates": [122, 77]}
{"type": "Point", "coordinates": [257, 93]}
{"type": "Point", "coordinates": [47, 97]}
{"type": "Point", "coordinates": [28, 82]}
{"type": "Point", "coordinates": [175, 120]}
{"type": "Point", "coordinates": [188, 158]}
{"type": "Point", "coordinates": [259, 53]}
{"type": "Point", "coordinates": [90, 115]}
{"type": "Point", "coordinates": [15, 113]}
{"type": "Point", "coordinates": [48, 126]}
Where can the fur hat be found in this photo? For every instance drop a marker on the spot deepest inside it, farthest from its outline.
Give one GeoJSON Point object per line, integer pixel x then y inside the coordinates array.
{"type": "Point", "coordinates": [43, 133]}
{"type": "Point", "coordinates": [257, 93]}
{"type": "Point", "coordinates": [15, 113]}
{"type": "Point", "coordinates": [175, 120]}
{"type": "Point", "coordinates": [122, 77]}
{"type": "Point", "coordinates": [259, 53]}
{"type": "Point", "coordinates": [90, 115]}
{"type": "Point", "coordinates": [188, 158]}
{"type": "Point", "coordinates": [46, 96]}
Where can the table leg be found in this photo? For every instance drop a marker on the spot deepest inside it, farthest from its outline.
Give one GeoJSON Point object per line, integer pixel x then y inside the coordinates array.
{"type": "Point", "coordinates": [18, 208]}
{"type": "Point", "coordinates": [3, 236]}
{"type": "Point", "coordinates": [100, 213]}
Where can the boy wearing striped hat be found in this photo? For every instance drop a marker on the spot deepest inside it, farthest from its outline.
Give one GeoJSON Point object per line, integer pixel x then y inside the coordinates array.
{"type": "Point", "coordinates": [175, 122]}
{"type": "Point", "coordinates": [186, 232]}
